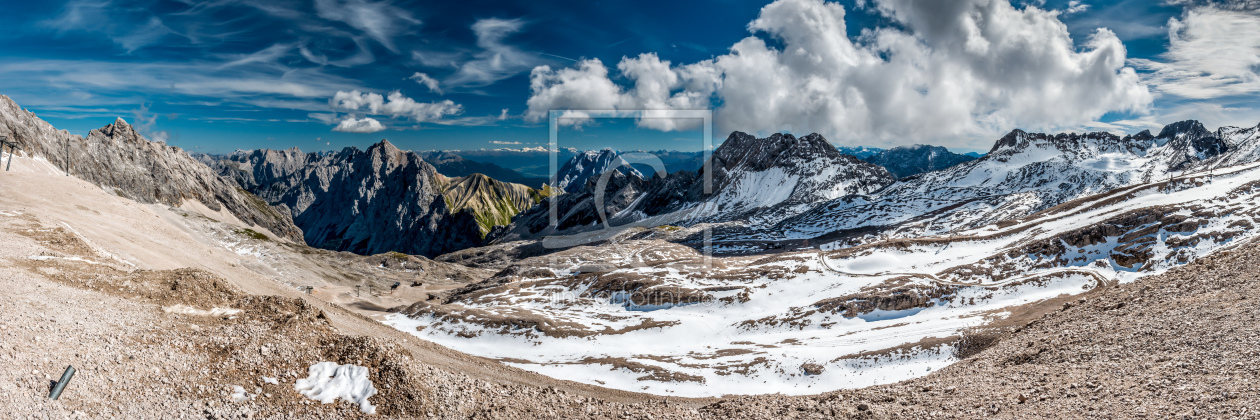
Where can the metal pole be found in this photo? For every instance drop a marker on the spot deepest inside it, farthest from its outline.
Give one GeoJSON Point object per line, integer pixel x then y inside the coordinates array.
{"type": "Point", "coordinates": [61, 384]}
{"type": "Point", "coordinates": [6, 168]}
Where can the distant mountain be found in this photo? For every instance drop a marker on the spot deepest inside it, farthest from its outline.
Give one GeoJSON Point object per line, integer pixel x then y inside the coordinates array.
{"type": "Point", "coordinates": [757, 181]}
{"type": "Point", "coordinates": [119, 159]}
{"type": "Point", "coordinates": [453, 165]}
{"type": "Point", "coordinates": [860, 152]}
{"type": "Point", "coordinates": [904, 161]}
{"type": "Point", "coordinates": [572, 176]}
{"type": "Point", "coordinates": [531, 162]}
{"type": "Point", "coordinates": [377, 200]}
{"type": "Point", "coordinates": [534, 164]}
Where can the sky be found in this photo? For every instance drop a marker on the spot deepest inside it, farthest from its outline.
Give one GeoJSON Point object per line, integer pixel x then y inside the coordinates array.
{"type": "Point", "coordinates": [221, 75]}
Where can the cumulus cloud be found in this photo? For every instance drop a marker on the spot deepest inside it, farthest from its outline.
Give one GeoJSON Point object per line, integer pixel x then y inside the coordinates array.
{"type": "Point", "coordinates": [395, 105]}
{"type": "Point", "coordinates": [497, 59]}
{"type": "Point", "coordinates": [427, 81]}
{"type": "Point", "coordinates": [951, 71]}
{"type": "Point", "coordinates": [354, 125]}
{"type": "Point", "coordinates": [1214, 51]}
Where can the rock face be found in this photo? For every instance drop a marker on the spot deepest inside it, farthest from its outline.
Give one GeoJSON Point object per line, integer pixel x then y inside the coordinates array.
{"type": "Point", "coordinates": [905, 161]}
{"type": "Point", "coordinates": [377, 200]}
{"type": "Point", "coordinates": [116, 157]}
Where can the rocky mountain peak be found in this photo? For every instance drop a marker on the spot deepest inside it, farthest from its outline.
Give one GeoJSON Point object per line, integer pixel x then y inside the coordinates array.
{"type": "Point", "coordinates": [1009, 141]}
{"type": "Point", "coordinates": [573, 175]}
{"type": "Point", "coordinates": [119, 130]}
{"type": "Point", "coordinates": [1187, 128]}
{"type": "Point", "coordinates": [744, 150]}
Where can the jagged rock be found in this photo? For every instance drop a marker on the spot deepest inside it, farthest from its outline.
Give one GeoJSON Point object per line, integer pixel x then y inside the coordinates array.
{"type": "Point", "coordinates": [378, 200]}
{"type": "Point", "coordinates": [116, 157]}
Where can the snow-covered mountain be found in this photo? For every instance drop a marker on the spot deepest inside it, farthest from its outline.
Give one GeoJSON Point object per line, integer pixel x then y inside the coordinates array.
{"type": "Point", "coordinates": [904, 161]}
{"type": "Point", "coordinates": [1022, 174]}
{"type": "Point", "coordinates": [572, 176]}
{"type": "Point", "coordinates": [750, 180]}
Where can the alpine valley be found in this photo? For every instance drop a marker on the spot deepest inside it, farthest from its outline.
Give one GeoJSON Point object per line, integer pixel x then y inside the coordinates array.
{"type": "Point", "coordinates": [776, 264]}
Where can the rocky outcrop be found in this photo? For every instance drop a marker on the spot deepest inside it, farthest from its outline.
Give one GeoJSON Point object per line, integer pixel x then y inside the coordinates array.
{"type": "Point", "coordinates": [377, 200]}
{"type": "Point", "coordinates": [118, 158]}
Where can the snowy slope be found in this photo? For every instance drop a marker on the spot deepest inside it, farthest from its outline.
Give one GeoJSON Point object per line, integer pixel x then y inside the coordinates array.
{"type": "Point", "coordinates": [664, 319]}
{"type": "Point", "coordinates": [1022, 174]}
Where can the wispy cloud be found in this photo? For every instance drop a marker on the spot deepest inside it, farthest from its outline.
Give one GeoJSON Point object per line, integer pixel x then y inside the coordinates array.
{"type": "Point", "coordinates": [427, 81]}
{"type": "Point", "coordinates": [130, 28]}
{"type": "Point", "coordinates": [497, 59]}
{"type": "Point", "coordinates": [380, 20]}
{"type": "Point", "coordinates": [1213, 52]}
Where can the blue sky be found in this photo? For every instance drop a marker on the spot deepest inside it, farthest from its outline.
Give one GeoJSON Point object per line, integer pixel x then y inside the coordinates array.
{"type": "Point", "coordinates": [221, 75]}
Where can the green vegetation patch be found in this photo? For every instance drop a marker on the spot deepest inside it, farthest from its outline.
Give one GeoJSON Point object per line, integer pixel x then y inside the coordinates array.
{"type": "Point", "coordinates": [250, 233]}
{"type": "Point", "coordinates": [260, 204]}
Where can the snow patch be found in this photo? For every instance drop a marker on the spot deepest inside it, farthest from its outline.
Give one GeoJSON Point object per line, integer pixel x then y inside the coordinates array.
{"type": "Point", "coordinates": [328, 381]}
{"type": "Point", "coordinates": [189, 310]}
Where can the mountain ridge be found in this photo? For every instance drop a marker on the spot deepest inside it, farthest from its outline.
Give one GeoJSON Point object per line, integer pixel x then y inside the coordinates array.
{"type": "Point", "coordinates": [117, 157]}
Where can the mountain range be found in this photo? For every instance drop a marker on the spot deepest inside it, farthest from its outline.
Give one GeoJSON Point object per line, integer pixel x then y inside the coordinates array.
{"type": "Point", "coordinates": [377, 200]}
{"type": "Point", "coordinates": [780, 265]}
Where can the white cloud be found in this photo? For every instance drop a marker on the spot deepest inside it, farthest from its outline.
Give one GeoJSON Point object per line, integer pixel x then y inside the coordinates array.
{"type": "Point", "coordinates": [1075, 6]}
{"type": "Point", "coordinates": [504, 142]}
{"type": "Point", "coordinates": [353, 125]}
{"type": "Point", "coordinates": [1213, 52]}
{"type": "Point", "coordinates": [379, 20]}
{"type": "Point", "coordinates": [497, 60]}
{"type": "Point", "coordinates": [395, 105]}
{"type": "Point", "coordinates": [955, 72]}
{"type": "Point", "coordinates": [427, 81]}
{"type": "Point", "coordinates": [117, 23]}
